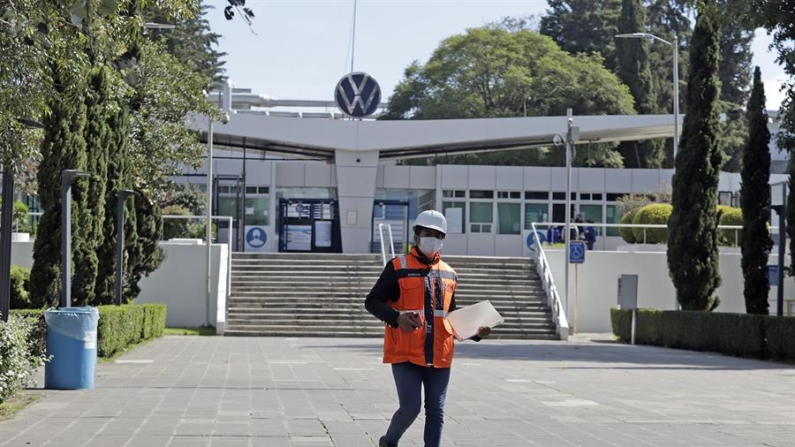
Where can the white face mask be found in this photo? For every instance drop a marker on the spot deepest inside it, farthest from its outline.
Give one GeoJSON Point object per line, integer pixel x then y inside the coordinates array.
{"type": "Point", "coordinates": [430, 246]}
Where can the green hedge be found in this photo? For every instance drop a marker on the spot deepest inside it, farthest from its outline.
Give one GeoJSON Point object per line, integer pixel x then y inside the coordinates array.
{"type": "Point", "coordinates": [626, 233]}
{"type": "Point", "coordinates": [119, 326]}
{"type": "Point", "coordinates": [654, 213]}
{"type": "Point", "coordinates": [740, 335]}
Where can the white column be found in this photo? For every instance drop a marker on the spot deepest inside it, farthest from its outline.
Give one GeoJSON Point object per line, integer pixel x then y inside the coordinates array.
{"type": "Point", "coordinates": [356, 174]}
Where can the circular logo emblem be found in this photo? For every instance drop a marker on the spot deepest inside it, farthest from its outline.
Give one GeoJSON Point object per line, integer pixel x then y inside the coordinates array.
{"type": "Point", "coordinates": [256, 237]}
{"type": "Point", "coordinates": [357, 95]}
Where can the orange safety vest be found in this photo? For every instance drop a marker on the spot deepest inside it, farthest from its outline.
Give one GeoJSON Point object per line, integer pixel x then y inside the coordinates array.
{"type": "Point", "coordinates": [428, 290]}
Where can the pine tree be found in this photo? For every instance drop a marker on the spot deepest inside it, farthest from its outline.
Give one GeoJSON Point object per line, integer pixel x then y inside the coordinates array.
{"type": "Point", "coordinates": [90, 195]}
{"type": "Point", "coordinates": [634, 70]}
{"type": "Point", "coordinates": [584, 26]}
{"type": "Point", "coordinates": [693, 242]}
{"type": "Point", "coordinates": [64, 147]}
{"type": "Point", "coordinates": [754, 201]}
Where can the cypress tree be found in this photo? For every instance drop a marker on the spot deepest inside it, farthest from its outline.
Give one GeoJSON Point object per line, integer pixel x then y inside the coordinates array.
{"type": "Point", "coordinates": [634, 70]}
{"type": "Point", "coordinates": [145, 254]}
{"type": "Point", "coordinates": [64, 147]}
{"type": "Point", "coordinates": [118, 178]}
{"type": "Point", "coordinates": [754, 200]}
{"type": "Point", "coordinates": [90, 195]}
{"type": "Point", "coordinates": [692, 229]}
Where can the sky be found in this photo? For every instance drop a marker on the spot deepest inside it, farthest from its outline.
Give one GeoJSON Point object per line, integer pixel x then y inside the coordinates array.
{"type": "Point", "coordinates": [302, 48]}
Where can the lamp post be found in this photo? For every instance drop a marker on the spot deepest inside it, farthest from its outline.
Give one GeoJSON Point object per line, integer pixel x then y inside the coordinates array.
{"type": "Point", "coordinates": [121, 196]}
{"type": "Point", "coordinates": [675, 45]}
{"type": "Point", "coordinates": [68, 176]}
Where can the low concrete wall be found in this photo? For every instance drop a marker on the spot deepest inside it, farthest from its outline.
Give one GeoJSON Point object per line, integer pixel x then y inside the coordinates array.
{"type": "Point", "coordinates": [597, 282]}
{"type": "Point", "coordinates": [180, 282]}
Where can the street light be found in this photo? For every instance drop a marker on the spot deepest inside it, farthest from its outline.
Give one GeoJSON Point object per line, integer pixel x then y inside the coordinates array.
{"type": "Point", "coordinates": [68, 176]}
{"type": "Point", "coordinates": [675, 45]}
{"type": "Point", "coordinates": [121, 196]}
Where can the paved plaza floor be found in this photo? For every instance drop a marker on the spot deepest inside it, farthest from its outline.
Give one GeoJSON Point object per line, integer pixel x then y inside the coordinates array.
{"type": "Point", "coordinates": [307, 392]}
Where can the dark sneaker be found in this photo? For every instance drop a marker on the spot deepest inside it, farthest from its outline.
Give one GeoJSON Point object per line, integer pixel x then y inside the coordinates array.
{"type": "Point", "coordinates": [382, 443]}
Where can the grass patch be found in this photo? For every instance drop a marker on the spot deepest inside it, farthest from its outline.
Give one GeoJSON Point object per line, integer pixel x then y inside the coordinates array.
{"type": "Point", "coordinates": [204, 330]}
{"type": "Point", "coordinates": [16, 403]}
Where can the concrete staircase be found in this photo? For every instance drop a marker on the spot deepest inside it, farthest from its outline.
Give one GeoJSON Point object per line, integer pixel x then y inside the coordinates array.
{"type": "Point", "coordinates": [303, 294]}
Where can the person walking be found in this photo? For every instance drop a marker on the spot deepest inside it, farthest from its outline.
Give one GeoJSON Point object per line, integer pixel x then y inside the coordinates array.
{"type": "Point", "coordinates": [413, 296]}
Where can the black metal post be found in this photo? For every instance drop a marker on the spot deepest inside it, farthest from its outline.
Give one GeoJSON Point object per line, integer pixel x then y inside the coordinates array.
{"type": "Point", "coordinates": [5, 242]}
{"type": "Point", "coordinates": [782, 241]}
{"type": "Point", "coordinates": [121, 196]}
{"type": "Point", "coordinates": [68, 176]}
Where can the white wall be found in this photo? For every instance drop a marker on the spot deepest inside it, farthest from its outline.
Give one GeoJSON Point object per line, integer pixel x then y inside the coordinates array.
{"type": "Point", "coordinates": [180, 282]}
{"type": "Point", "coordinates": [598, 285]}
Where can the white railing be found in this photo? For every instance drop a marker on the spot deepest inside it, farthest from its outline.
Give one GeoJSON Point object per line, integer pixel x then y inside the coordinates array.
{"type": "Point", "coordinates": [391, 242]}
{"type": "Point", "coordinates": [553, 299]}
{"type": "Point", "coordinates": [601, 239]}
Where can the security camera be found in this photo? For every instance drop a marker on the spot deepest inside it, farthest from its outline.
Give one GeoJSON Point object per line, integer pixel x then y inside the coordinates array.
{"type": "Point", "coordinates": [224, 118]}
{"type": "Point", "coordinates": [557, 140]}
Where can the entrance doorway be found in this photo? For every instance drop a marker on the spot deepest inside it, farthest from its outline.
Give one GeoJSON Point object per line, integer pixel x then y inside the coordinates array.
{"type": "Point", "coordinates": [394, 213]}
{"type": "Point", "coordinates": [309, 225]}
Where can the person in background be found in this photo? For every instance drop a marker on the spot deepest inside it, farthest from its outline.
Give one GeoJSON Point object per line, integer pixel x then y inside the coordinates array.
{"type": "Point", "coordinates": [413, 297]}
{"type": "Point", "coordinates": [589, 235]}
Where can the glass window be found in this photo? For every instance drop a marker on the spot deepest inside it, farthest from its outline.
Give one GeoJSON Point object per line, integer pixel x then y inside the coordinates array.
{"type": "Point", "coordinates": [251, 189]}
{"type": "Point", "coordinates": [509, 218]}
{"type": "Point", "coordinates": [536, 195]}
{"type": "Point", "coordinates": [596, 196]}
{"type": "Point", "coordinates": [613, 217]}
{"type": "Point", "coordinates": [256, 210]}
{"type": "Point", "coordinates": [264, 190]}
{"type": "Point", "coordinates": [481, 216]}
{"type": "Point", "coordinates": [558, 196]}
{"type": "Point", "coordinates": [534, 213]}
{"type": "Point", "coordinates": [594, 213]}
{"type": "Point", "coordinates": [454, 193]}
{"type": "Point", "coordinates": [481, 194]}
{"type": "Point", "coordinates": [613, 196]}
{"type": "Point", "coordinates": [454, 212]}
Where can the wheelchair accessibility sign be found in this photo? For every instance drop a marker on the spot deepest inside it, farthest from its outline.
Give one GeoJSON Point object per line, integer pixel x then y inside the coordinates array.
{"type": "Point", "coordinates": [256, 238]}
{"type": "Point", "coordinates": [576, 252]}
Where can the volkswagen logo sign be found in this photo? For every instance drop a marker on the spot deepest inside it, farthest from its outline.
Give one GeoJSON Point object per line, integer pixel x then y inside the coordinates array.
{"type": "Point", "coordinates": [357, 95]}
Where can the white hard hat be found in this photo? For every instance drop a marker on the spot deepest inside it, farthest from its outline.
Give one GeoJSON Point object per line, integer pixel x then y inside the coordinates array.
{"type": "Point", "coordinates": [431, 219]}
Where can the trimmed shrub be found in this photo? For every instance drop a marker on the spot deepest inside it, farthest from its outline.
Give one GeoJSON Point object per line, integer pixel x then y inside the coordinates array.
{"type": "Point", "coordinates": [626, 232]}
{"type": "Point", "coordinates": [655, 213]}
{"type": "Point", "coordinates": [780, 333]}
{"type": "Point", "coordinates": [20, 284]}
{"type": "Point", "coordinates": [118, 327]}
{"type": "Point", "coordinates": [121, 326]}
{"type": "Point", "coordinates": [18, 361]}
{"type": "Point", "coordinates": [739, 335]}
{"type": "Point", "coordinates": [730, 216]}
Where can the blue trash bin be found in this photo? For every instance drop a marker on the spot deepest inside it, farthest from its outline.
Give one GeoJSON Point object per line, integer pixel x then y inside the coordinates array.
{"type": "Point", "coordinates": [72, 343]}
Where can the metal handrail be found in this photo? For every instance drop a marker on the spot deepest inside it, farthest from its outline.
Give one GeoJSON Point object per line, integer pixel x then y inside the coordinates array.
{"type": "Point", "coordinates": [548, 282]}
{"type": "Point", "coordinates": [391, 242]}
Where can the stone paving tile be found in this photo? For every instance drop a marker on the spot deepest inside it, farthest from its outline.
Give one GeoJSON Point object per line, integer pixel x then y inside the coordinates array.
{"type": "Point", "coordinates": [287, 392]}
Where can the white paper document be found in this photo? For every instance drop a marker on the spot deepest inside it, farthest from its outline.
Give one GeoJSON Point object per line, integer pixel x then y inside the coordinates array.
{"type": "Point", "coordinates": [467, 320]}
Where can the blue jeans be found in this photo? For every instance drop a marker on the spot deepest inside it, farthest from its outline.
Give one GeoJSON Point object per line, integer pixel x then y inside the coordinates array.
{"type": "Point", "coordinates": [409, 379]}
